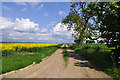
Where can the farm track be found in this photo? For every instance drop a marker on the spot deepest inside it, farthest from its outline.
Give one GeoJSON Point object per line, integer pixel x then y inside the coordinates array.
{"type": "Point", "coordinates": [55, 67]}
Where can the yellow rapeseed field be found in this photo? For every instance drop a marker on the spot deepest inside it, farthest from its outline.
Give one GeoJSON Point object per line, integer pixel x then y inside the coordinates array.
{"type": "Point", "coordinates": [13, 46]}
{"type": "Point", "coordinates": [10, 48]}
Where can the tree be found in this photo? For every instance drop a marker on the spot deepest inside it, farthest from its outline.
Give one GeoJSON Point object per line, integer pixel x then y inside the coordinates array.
{"type": "Point", "coordinates": [77, 41]}
{"type": "Point", "coordinates": [78, 20]}
{"type": "Point", "coordinates": [90, 41]}
{"type": "Point", "coordinates": [101, 41]}
{"type": "Point", "coordinates": [108, 17]}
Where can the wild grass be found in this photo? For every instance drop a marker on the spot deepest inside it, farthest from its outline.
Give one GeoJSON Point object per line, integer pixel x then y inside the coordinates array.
{"type": "Point", "coordinates": [65, 54]}
{"type": "Point", "coordinates": [99, 54]}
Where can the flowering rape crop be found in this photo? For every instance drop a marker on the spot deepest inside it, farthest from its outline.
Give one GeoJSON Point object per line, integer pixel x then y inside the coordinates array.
{"type": "Point", "coordinates": [9, 48]}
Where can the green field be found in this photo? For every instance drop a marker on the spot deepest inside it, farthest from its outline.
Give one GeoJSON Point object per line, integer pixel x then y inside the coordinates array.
{"type": "Point", "coordinates": [23, 59]}
{"type": "Point", "coordinates": [99, 54]}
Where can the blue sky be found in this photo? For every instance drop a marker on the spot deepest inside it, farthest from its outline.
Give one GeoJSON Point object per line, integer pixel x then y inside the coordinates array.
{"type": "Point", "coordinates": [34, 22]}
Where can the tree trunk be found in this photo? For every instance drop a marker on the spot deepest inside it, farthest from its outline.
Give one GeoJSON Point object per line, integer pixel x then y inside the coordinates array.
{"type": "Point", "coordinates": [81, 39]}
{"type": "Point", "coordinates": [81, 43]}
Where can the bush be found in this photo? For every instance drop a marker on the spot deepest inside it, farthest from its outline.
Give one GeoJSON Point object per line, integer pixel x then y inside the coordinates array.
{"type": "Point", "coordinates": [90, 41]}
{"type": "Point", "coordinates": [7, 52]}
{"type": "Point", "coordinates": [101, 41]}
{"type": "Point", "coordinates": [86, 47]}
{"type": "Point", "coordinates": [97, 49]}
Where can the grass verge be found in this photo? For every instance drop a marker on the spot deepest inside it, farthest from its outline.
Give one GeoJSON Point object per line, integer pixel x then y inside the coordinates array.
{"type": "Point", "coordinates": [65, 54]}
{"type": "Point", "coordinates": [99, 54]}
{"type": "Point", "coordinates": [15, 62]}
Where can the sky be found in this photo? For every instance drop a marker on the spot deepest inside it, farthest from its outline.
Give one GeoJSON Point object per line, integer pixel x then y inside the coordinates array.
{"type": "Point", "coordinates": [35, 22]}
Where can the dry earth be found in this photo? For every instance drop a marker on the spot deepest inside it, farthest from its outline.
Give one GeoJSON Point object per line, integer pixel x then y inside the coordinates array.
{"type": "Point", "coordinates": [55, 67]}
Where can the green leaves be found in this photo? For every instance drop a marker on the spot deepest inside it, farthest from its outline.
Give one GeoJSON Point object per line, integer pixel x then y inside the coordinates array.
{"type": "Point", "coordinates": [78, 20]}
{"type": "Point", "coordinates": [109, 20]}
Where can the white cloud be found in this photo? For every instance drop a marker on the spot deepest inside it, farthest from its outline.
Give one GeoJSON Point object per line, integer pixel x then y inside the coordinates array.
{"type": "Point", "coordinates": [36, 29]}
{"type": "Point", "coordinates": [51, 23]}
{"type": "Point", "coordinates": [25, 29]}
{"type": "Point", "coordinates": [39, 38]}
{"type": "Point", "coordinates": [46, 38]}
{"type": "Point", "coordinates": [61, 13]}
{"type": "Point", "coordinates": [21, 3]}
{"type": "Point", "coordinates": [41, 6]}
{"type": "Point", "coordinates": [42, 34]}
{"type": "Point", "coordinates": [31, 38]}
{"type": "Point", "coordinates": [45, 14]}
{"type": "Point", "coordinates": [62, 31]}
{"type": "Point", "coordinates": [33, 4]}
{"type": "Point", "coordinates": [6, 8]}
{"type": "Point", "coordinates": [15, 38]}
{"type": "Point", "coordinates": [24, 9]}
{"type": "Point", "coordinates": [14, 33]}
{"type": "Point", "coordinates": [25, 25]}
{"type": "Point", "coordinates": [19, 24]}
{"type": "Point", "coordinates": [21, 29]}
{"type": "Point", "coordinates": [59, 28]}
{"type": "Point", "coordinates": [50, 38]}
{"type": "Point", "coordinates": [43, 30]}
{"type": "Point", "coordinates": [5, 23]}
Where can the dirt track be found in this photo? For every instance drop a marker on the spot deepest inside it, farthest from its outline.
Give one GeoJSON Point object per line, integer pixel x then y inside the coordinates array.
{"type": "Point", "coordinates": [55, 67]}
